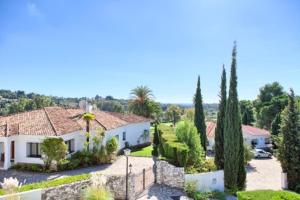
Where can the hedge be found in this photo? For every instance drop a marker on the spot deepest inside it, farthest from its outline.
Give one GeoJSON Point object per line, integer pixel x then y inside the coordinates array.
{"type": "Point", "coordinates": [52, 183]}
{"type": "Point", "coordinates": [170, 148]}
{"type": "Point", "coordinates": [268, 195]}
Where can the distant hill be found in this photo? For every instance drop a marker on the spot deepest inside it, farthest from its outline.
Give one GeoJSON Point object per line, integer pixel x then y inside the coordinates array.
{"type": "Point", "coordinates": [19, 101]}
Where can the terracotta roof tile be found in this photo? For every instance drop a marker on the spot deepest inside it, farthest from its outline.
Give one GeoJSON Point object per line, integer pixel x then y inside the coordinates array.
{"type": "Point", "coordinates": [55, 121]}
{"type": "Point", "coordinates": [250, 130]}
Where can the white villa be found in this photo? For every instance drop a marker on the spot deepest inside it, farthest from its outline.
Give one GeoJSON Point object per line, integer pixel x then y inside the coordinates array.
{"type": "Point", "coordinates": [253, 136]}
{"type": "Point", "coordinates": [21, 134]}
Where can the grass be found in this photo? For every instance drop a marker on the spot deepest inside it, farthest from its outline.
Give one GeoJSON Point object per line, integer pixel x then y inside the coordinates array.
{"type": "Point", "coordinates": [51, 183]}
{"type": "Point", "coordinates": [144, 152]}
{"type": "Point", "coordinates": [268, 195]}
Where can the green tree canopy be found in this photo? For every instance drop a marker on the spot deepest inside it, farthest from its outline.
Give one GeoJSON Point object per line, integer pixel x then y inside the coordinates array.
{"type": "Point", "coordinates": [173, 113]}
{"type": "Point", "coordinates": [247, 112]}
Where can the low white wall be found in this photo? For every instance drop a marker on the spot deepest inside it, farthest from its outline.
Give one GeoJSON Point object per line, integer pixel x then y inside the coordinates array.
{"type": "Point", "coordinates": [30, 195]}
{"type": "Point", "coordinates": [207, 182]}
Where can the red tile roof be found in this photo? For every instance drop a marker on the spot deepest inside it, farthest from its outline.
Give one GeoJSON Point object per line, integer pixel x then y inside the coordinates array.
{"type": "Point", "coordinates": [56, 121]}
{"type": "Point", "coordinates": [249, 130]}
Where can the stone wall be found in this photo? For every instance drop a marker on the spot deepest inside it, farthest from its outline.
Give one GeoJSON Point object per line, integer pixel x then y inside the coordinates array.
{"type": "Point", "coordinates": [117, 185]}
{"type": "Point", "coordinates": [64, 192]}
{"type": "Point", "coordinates": [170, 175]}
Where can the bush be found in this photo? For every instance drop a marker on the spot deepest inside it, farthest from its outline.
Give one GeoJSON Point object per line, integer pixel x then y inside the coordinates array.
{"type": "Point", "coordinates": [209, 195]}
{"type": "Point", "coordinates": [29, 167]}
{"type": "Point", "coordinates": [187, 133]}
{"type": "Point", "coordinates": [52, 183]}
{"type": "Point", "coordinates": [248, 154]}
{"type": "Point", "coordinates": [93, 193]}
{"type": "Point", "coordinates": [207, 165]}
{"type": "Point", "coordinates": [53, 149]}
{"type": "Point", "coordinates": [175, 151]}
{"type": "Point", "coordinates": [268, 195]}
{"type": "Point", "coordinates": [111, 148]}
{"type": "Point", "coordinates": [190, 188]}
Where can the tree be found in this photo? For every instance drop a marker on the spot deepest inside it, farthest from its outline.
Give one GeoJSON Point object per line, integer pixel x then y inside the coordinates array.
{"type": "Point", "coordinates": [189, 114]}
{"type": "Point", "coordinates": [247, 112]}
{"type": "Point", "coordinates": [141, 102]}
{"type": "Point", "coordinates": [199, 119]}
{"type": "Point", "coordinates": [111, 148]}
{"type": "Point", "coordinates": [155, 142]}
{"type": "Point", "coordinates": [173, 113]}
{"type": "Point", "coordinates": [219, 134]}
{"type": "Point", "coordinates": [289, 152]}
{"type": "Point", "coordinates": [187, 133]}
{"type": "Point", "coordinates": [234, 170]}
{"type": "Point", "coordinates": [275, 126]}
{"type": "Point", "coordinates": [53, 149]}
{"type": "Point", "coordinates": [88, 117]}
{"type": "Point", "coordinates": [270, 101]}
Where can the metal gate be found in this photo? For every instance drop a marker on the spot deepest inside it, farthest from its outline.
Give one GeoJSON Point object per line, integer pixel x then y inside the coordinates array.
{"type": "Point", "coordinates": [144, 180]}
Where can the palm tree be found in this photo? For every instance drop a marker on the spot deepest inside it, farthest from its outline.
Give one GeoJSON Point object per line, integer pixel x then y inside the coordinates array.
{"type": "Point", "coordinates": [88, 117]}
{"type": "Point", "coordinates": [141, 96]}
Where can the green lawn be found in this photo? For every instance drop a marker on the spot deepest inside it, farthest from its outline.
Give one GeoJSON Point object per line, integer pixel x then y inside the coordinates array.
{"type": "Point", "coordinates": [268, 195]}
{"type": "Point", "coordinates": [144, 152]}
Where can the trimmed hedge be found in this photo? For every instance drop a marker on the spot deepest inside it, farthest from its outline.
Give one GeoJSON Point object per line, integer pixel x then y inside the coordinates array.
{"type": "Point", "coordinates": [170, 148]}
{"type": "Point", "coordinates": [268, 195]}
{"type": "Point", "coordinates": [52, 183]}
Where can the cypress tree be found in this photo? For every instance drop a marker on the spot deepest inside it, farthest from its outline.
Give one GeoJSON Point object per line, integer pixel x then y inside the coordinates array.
{"type": "Point", "coordinates": [155, 142]}
{"type": "Point", "coordinates": [219, 134]}
{"type": "Point", "coordinates": [289, 153]}
{"type": "Point", "coordinates": [275, 126]}
{"type": "Point", "coordinates": [234, 171]}
{"type": "Point", "coordinates": [199, 116]}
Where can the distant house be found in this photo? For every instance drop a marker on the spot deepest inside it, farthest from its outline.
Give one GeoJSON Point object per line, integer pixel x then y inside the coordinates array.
{"type": "Point", "coordinates": [253, 136]}
{"type": "Point", "coordinates": [21, 134]}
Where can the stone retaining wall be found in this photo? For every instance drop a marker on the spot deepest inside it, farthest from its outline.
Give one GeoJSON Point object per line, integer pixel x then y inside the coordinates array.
{"type": "Point", "coordinates": [170, 175]}
{"type": "Point", "coordinates": [64, 192]}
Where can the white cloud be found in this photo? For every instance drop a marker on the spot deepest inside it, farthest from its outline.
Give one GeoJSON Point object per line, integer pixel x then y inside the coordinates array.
{"type": "Point", "coordinates": [33, 9]}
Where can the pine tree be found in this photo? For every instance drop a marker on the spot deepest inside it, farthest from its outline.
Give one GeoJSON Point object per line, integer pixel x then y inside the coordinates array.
{"type": "Point", "coordinates": [199, 116]}
{"type": "Point", "coordinates": [219, 134]}
{"type": "Point", "coordinates": [155, 142]}
{"type": "Point", "coordinates": [289, 153]}
{"type": "Point", "coordinates": [234, 171]}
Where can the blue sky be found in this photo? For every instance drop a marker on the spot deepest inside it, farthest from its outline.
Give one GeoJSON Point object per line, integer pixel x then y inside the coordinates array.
{"type": "Point", "coordinates": [84, 48]}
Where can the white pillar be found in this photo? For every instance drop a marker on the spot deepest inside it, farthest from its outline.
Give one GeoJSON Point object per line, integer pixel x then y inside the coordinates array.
{"type": "Point", "coordinates": [284, 182]}
{"type": "Point", "coordinates": [7, 154]}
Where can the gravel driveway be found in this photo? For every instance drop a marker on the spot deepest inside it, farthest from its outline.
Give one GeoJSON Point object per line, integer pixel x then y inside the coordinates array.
{"type": "Point", "coordinates": [264, 174]}
{"type": "Point", "coordinates": [118, 167]}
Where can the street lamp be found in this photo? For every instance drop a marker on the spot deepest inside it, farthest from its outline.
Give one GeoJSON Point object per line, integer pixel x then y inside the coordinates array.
{"type": "Point", "coordinates": [127, 153]}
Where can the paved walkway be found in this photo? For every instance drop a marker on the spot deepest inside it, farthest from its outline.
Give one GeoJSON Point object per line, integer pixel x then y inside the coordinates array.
{"type": "Point", "coordinates": [118, 167]}
{"type": "Point", "coordinates": [159, 192]}
{"type": "Point", "coordinates": [264, 174]}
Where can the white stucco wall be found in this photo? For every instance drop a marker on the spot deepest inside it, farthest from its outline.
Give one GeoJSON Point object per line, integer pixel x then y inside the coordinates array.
{"type": "Point", "coordinates": [133, 133]}
{"type": "Point", "coordinates": [207, 182]}
{"type": "Point", "coordinates": [29, 195]}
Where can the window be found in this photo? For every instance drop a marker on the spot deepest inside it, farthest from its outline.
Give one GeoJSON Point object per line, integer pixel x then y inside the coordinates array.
{"type": "Point", "coordinates": [124, 136]}
{"type": "Point", "coordinates": [34, 150]}
{"type": "Point", "coordinates": [70, 145]}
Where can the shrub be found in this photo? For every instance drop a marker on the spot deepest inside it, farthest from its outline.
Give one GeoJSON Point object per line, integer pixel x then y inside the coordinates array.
{"type": "Point", "coordinates": [207, 165]}
{"type": "Point", "coordinates": [29, 167]}
{"type": "Point", "coordinates": [187, 133]}
{"type": "Point", "coordinates": [268, 195]}
{"type": "Point", "coordinates": [209, 195]}
{"type": "Point", "coordinates": [175, 151]}
{"type": "Point", "coordinates": [10, 185]}
{"type": "Point", "coordinates": [93, 193]}
{"type": "Point", "coordinates": [53, 149]}
{"type": "Point", "coordinates": [190, 188]}
{"type": "Point", "coordinates": [248, 154]}
{"type": "Point", "coordinates": [111, 148]}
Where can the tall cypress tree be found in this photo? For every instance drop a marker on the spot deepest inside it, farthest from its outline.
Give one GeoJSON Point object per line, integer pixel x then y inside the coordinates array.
{"type": "Point", "coordinates": [219, 134]}
{"type": "Point", "coordinates": [155, 142]}
{"type": "Point", "coordinates": [234, 170]}
{"type": "Point", "coordinates": [289, 153]}
{"type": "Point", "coordinates": [199, 116]}
{"type": "Point", "coordinates": [275, 126]}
